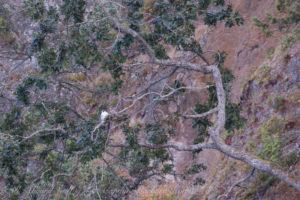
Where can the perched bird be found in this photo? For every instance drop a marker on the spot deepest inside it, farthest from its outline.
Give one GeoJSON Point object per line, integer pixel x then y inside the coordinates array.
{"type": "Point", "coordinates": [104, 115]}
{"type": "Point", "coordinates": [103, 126]}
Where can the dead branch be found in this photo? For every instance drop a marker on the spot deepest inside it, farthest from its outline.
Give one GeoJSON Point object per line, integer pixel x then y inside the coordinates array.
{"type": "Point", "coordinates": [202, 114]}
{"type": "Point", "coordinates": [116, 175]}
{"type": "Point", "coordinates": [41, 131]}
{"type": "Point", "coordinates": [218, 128]}
{"type": "Point", "coordinates": [236, 184]}
{"type": "Point", "coordinates": [253, 161]}
{"type": "Point", "coordinates": [176, 146]}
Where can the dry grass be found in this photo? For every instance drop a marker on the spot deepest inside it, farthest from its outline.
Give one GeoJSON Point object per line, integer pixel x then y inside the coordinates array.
{"type": "Point", "coordinates": [160, 192]}
{"type": "Point", "coordinates": [77, 77]}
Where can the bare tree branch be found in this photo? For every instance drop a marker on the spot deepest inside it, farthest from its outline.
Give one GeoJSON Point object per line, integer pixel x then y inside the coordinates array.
{"type": "Point", "coordinates": [202, 114]}
{"type": "Point", "coordinates": [41, 131]}
{"type": "Point", "coordinates": [239, 155]}
{"type": "Point", "coordinates": [218, 128]}
{"type": "Point", "coordinates": [172, 71]}
{"type": "Point", "coordinates": [236, 184]}
{"type": "Point", "coordinates": [116, 175]}
{"type": "Point", "coordinates": [176, 146]}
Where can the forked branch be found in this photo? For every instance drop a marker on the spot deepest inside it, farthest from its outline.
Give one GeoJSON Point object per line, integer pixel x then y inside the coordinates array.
{"type": "Point", "coordinates": [220, 122]}
{"type": "Point", "coordinates": [236, 184]}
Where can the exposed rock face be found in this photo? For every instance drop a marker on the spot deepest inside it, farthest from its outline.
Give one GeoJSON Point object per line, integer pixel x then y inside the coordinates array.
{"type": "Point", "coordinates": [293, 71]}
{"type": "Point", "coordinates": [247, 47]}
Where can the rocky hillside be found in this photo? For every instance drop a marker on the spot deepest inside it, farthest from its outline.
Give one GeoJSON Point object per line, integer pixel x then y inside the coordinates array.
{"type": "Point", "coordinates": [263, 55]}
{"type": "Point", "coordinates": [267, 77]}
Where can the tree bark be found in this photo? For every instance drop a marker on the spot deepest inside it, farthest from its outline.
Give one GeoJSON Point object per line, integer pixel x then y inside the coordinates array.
{"type": "Point", "coordinates": [219, 126]}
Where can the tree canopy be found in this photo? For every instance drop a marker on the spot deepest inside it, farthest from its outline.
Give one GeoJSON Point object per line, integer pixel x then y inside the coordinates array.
{"type": "Point", "coordinates": [47, 145]}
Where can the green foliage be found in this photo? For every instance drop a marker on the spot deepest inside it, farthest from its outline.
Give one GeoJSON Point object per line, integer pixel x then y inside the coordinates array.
{"type": "Point", "coordinates": [172, 23]}
{"type": "Point", "coordinates": [220, 57]}
{"type": "Point", "coordinates": [34, 8]}
{"type": "Point", "coordinates": [82, 51]}
{"type": "Point", "coordinates": [201, 124]}
{"type": "Point", "coordinates": [227, 77]}
{"type": "Point", "coordinates": [199, 181]}
{"type": "Point", "coordinates": [111, 187]}
{"type": "Point", "coordinates": [271, 141]}
{"type": "Point", "coordinates": [70, 39]}
{"type": "Point", "coordinates": [47, 25]}
{"type": "Point", "coordinates": [22, 91]}
{"type": "Point", "coordinates": [211, 18]}
{"type": "Point", "coordinates": [178, 84]}
{"type": "Point", "coordinates": [287, 42]}
{"type": "Point", "coordinates": [138, 158]}
{"type": "Point", "coordinates": [59, 110]}
{"type": "Point", "coordinates": [3, 26]}
{"type": "Point", "coordinates": [278, 103]}
{"type": "Point", "coordinates": [99, 31]}
{"type": "Point", "coordinates": [290, 159]}
{"type": "Point", "coordinates": [11, 122]}
{"type": "Point", "coordinates": [233, 119]}
{"type": "Point", "coordinates": [131, 134]}
{"type": "Point", "coordinates": [160, 52]}
{"type": "Point", "coordinates": [49, 22]}
{"type": "Point", "coordinates": [271, 147]}
{"type": "Point", "coordinates": [10, 150]}
{"type": "Point", "coordinates": [292, 16]}
{"type": "Point", "coordinates": [265, 179]}
{"type": "Point", "coordinates": [6, 36]}
{"type": "Point", "coordinates": [203, 4]}
{"type": "Point", "coordinates": [275, 125]}
{"type": "Point", "coordinates": [195, 168]}
{"type": "Point", "coordinates": [37, 43]}
{"type": "Point", "coordinates": [113, 64]}
{"type": "Point", "coordinates": [282, 5]}
{"type": "Point", "coordinates": [219, 2]}
{"type": "Point", "coordinates": [133, 13]}
{"type": "Point", "coordinates": [156, 133]}
{"type": "Point", "coordinates": [167, 168]}
{"type": "Point", "coordinates": [297, 33]}
{"type": "Point", "coordinates": [116, 85]}
{"type": "Point", "coordinates": [47, 61]}
{"type": "Point", "coordinates": [263, 26]}
{"type": "Point", "coordinates": [34, 114]}
{"type": "Point", "coordinates": [73, 10]}
{"type": "Point", "coordinates": [227, 133]}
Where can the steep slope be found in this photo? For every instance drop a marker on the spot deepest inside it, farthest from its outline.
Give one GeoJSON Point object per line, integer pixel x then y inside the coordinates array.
{"type": "Point", "coordinates": [267, 86]}
{"type": "Point", "coordinates": [267, 76]}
